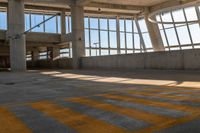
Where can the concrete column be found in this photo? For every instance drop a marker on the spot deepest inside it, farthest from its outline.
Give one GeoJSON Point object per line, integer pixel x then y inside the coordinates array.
{"type": "Point", "coordinates": [54, 52]}
{"type": "Point", "coordinates": [118, 36]}
{"type": "Point", "coordinates": [16, 39]}
{"type": "Point", "coordinates": [35, 55]}
{"type": "Point", "coordinates": [63, 25]}
{"type": "Point", "coordinates": [78, 40]}
{"type": "Point", "coordinates": [154, 33]}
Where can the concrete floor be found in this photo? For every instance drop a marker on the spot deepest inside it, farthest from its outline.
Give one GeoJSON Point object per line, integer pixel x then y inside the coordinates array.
{"type": "Point", "coordinates": [69, 101]}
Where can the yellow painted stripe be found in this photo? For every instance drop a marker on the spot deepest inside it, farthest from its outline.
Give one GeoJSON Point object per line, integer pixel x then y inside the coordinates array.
{"type": "Point", "coordinates": [80, 122]}
{"type": "Point", "coordinates": [152, 103]}
{"type": "Point", "coordinates": [173, 97]}
{"type": "Point", "coordinates": [133, 113]}
{"type": "Point", "coordinates": [169, 124]}
{"type": "Point", "coordinates": [172, 90]}
{"type": "Point", "coordinates": [178, 91]}
{"type": "Point", "coordinates": [9, 123]}
{"type": "Point", "coordinates": [178, 88]}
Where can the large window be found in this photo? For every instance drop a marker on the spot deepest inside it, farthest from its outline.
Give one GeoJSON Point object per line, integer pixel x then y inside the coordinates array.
{"type": "Point", "coordinates": [101, 36]}
{"type": "Point", "coordinates": [180, 36]}
{"type": "Point", "coordinates": [51, 26]}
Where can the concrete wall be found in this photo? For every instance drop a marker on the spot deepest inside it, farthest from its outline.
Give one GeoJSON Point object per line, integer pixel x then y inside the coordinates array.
{"type": "Point", "coordinates": [174, 60]}
{"type": "Point", "coordinates": [63, 63]}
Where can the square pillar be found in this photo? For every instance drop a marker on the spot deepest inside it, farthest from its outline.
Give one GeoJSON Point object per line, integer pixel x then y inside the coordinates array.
{"type": "Point", "coordinates": [54, 53]}
{"type": "Point", "coordinates": [118, 35]}
{"type": "Point", "coordinates": [78, 38]}
{"type": "Point", "coordinates": [35, 55]}
{"type": "Point", "coordinates": [63, 25]}
{"type": "Point", "coordinates": [15, 34]}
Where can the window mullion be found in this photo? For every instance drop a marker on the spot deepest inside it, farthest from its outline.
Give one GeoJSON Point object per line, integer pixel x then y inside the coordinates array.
{"type": "Point", "coordinates": [99, 33]}
{"type": "Point", "coordinates": [176, 31]}
{"type": "Point", "coordinates": [188, 28]}
{"type": "Point", "coordinates": [89, 35]}
{"type": "Point", "coordinates": [165, 33]}
{"type": "Point", "coordinates": [133, 37]}
{"type": "Point", "coordinates": [140, 34]}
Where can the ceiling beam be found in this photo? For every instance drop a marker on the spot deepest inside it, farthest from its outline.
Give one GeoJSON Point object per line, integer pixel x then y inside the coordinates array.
{"type": "Point", "coordinates": [116, 6]}
{"type": "Point", "coordinates": [45, 2]}
{"type": "Point", "coordinates": [83, 2]}
{"type": "Point", "coordinates": [171, 3]}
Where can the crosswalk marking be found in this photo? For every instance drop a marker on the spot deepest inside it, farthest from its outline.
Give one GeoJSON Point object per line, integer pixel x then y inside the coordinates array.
{"type": "Point", "coordinates": [173, 97]}
{"type": "Point", "coordinates": [133, 113]}
{"type": "Point", "coordinates": [152, 103]}
{"type": "Point", "coordinates": [80, 122]}
{"type": "Point", "coordinates": [169, 124]}
{"type": "Point", "coordinates": [9, 123]}
{"type": "Point", "coordinates": [169, 90]}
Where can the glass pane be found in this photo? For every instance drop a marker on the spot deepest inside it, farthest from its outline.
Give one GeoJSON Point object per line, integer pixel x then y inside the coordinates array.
{"type": "Point", "coordinates": [35, 20]}
{"type": "Point", "coordinates": [113, 39]}
{"type": "Point", "coordinates": [166, 17]}
{"type": "Point", "coordinates": [103, 24]}
{"type": "Point", "coordinates": [104, 52]}
{"type": "Point", "coordinates": [70, 24]}
{"type": "Point", "coordinates": [171, 36]}
{"type": "Point", "coordinates": [112, 24]}
{"type": "Point", "coordinates": [143, 25]}
{"type": "Point", "coordinates": [94, 23]}
{"type": "Point", "coordinates": [195, 32]}
{"type": "Point", "coordinates": [94, 38]}
{"type": "Point", "coordinates": [197, 46]}
{"type": "Point", "coordinates": [121, 24]}
{"type": "Point", "coordinates": [67, 24]}
{"type": "Point", "coordinates": [135, 27]}
{"type": "Point", "coordinates": [129, 51]}
{"type": "Point", "coordinates": [123, 52]}
{"type": "Point", "coordinates": [104, 39]}
{"type": "Point", "coordinates": [94, 52]}
{"type": "Point", "coordinates": [183, 35]}
{"type": "Point", "coordinates": [191, 13]}
{"type": "Point", "coordinates": [50, 26]}
{"type": "Point", "coordinates": [147, 40]}
{"type": "Point", "coordinates": [59, 24]}
{"type": "Point", "coordinates": [129, 26]}
{"type": "Point", "coordinates": [86, 38]}
{"type": "Point", "coordinates": [3, 20]}
{"type": "Point", "coordinates": [87, 52]}
{"type": "Point", "coordinates": [27, 22]}
{"type": "Point", "coordinates": [137, 41]}
{"type": "Point", "coordinates": [178, 16]}
{"type": "Point", "coordinates": [113, 52]}
{"type": "Point", "coordinates": [186, 47]}
{"type": "Point", "coordinates": [122, 40]}
{"type": "Point", "coordinates": [86, 22]}
{"type": "Point", "coordinates": [129, 40]}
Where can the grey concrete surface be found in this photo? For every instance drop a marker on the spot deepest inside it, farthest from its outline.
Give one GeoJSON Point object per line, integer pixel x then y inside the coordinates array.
{"type": "Point", "coordinates": [18, 91]}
